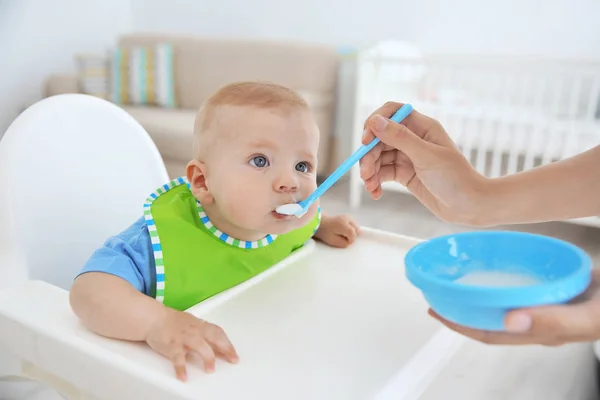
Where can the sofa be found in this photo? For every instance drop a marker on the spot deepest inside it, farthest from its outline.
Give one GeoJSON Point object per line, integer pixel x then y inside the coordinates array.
{"type": "Point", "coordinates": [202, 65]}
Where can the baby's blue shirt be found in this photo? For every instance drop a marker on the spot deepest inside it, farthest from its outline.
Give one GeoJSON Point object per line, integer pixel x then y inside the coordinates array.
{"type": "Point", "coordinates": [127, 255]}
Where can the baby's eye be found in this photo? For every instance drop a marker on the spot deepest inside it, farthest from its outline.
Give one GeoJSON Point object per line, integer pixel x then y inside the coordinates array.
{"type": "Point", "coordinates": [259, 161]}
{"type": "Point", "coordinates": [302, 167]}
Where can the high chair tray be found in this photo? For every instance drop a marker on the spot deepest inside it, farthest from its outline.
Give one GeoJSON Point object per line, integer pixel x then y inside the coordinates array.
{"type": "Point", "coordinates": [324, 324]}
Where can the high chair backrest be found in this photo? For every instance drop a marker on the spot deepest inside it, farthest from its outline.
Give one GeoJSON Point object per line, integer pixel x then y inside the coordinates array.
{"type": "Point", "coordinates": [74, 170]}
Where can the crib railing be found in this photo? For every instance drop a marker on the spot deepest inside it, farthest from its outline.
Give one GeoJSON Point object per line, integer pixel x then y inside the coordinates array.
{"type": "Point", "coordinates": [507, 114]}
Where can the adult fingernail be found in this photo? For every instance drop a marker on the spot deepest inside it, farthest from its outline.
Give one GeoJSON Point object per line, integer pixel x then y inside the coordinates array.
{"type": "Point", "coordinates": [364, 135]}
{"type": "Point", "coordinates": [519, 323]}
{"type": "Point", "coordinates": [379, 123]}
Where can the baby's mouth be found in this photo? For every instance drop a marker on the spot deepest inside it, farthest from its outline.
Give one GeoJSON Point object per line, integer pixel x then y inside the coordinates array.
{"type": "Point", "coordinates": [278, 216]}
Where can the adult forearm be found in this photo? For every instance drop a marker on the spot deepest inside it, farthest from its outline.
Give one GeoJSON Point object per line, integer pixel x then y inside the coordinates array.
{"type": "Point", "coordinates": [111, 307]}
{"type": "Point", "coordinates": [562, 190]}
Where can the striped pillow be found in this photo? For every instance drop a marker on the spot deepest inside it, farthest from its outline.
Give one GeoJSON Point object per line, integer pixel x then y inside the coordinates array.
{"type": "Point", "coordinates": [143, 76]}
{"type": "Point", "coordinates": [93, 75]}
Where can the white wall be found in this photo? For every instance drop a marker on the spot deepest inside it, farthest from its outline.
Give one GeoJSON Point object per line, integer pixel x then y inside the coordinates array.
{"type": "Point", "coordinates": [547, 27]}
{"type": "Point", "coordinates": [40, 37]}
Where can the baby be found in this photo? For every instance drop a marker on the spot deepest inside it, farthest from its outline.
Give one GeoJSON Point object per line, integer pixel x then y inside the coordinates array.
{"type": "Point", "coordinates": [255, 145]}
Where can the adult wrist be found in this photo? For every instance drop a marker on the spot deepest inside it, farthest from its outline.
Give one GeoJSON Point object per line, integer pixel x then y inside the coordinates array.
{"type": "Point", "coordinates": [482, 210]}
{"type": "Point", "coordinates": [501, 202]}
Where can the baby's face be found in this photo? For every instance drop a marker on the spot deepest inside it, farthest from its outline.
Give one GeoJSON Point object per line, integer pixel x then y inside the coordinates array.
{"type": "Point", "coordinates": [259, 160]}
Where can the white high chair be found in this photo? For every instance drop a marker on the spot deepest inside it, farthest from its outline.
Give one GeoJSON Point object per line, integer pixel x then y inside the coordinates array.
{"type": "Point", "coordinates": [74, 169]}
{"type": "Point", "coordinates": [323, 324]}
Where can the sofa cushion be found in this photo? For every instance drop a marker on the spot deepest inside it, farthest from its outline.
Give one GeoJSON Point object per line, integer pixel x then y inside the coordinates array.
{"type": "Point", "coordinates": [202, 65]}
{"type": "Point", "coordinates": [171, 130]}
{"type": "Point", "coordinates": [143, 75]}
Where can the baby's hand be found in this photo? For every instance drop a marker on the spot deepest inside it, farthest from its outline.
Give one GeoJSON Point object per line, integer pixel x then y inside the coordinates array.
{"type": "Point", "coordinates": [180, 333]}
{"type": "Point", "coordinates": [339, 231]}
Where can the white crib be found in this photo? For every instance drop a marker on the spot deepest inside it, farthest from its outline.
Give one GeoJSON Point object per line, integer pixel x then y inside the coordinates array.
{"type": "Point", "coordinates": [507, 114]}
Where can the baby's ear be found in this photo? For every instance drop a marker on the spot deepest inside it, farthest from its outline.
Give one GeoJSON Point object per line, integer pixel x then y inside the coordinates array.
{"type": "Point", "coordinates": [196, 175]}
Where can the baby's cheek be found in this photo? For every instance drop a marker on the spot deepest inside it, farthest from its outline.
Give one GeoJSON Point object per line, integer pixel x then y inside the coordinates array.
{"type": "Point", "coordinates": [311, 187]}
{"type": "Point", "coordinates": [238, 203]}
{"type": "Point", "coordinates": [308, 185]}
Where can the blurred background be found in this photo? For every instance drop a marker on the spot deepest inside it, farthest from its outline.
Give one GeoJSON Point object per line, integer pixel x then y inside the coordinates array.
{"type": "Point", "coordinates": [516, 83]}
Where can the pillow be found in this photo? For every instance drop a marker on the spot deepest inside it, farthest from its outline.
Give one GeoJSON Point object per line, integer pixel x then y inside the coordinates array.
{"type": "Point", "coordinates": [143, 76]}
{"type": "Point", "coordinates": [92, 71]}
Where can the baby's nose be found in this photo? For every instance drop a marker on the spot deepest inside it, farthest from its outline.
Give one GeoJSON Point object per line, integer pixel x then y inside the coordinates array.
{"type": "Point", "coordinates": [286, 184]}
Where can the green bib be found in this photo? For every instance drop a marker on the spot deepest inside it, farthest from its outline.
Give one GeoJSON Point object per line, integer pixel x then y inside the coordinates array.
{"type": "Point", "coordinates": [194, 260]}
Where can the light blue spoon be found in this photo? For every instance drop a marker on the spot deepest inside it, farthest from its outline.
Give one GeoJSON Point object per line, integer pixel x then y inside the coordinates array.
{"type": "Point", "coordinates": [300, 208]}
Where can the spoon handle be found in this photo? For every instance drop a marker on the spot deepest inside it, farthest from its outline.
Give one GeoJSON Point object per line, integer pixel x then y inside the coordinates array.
{"type": "Point", "coordinates": [402, 113]}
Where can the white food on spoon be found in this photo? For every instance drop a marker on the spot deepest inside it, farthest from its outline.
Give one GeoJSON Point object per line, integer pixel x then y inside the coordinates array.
{"type": "Point", "coordinates": [291, 209]}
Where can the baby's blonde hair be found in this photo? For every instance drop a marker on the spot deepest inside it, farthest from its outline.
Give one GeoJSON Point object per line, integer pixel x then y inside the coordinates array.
{"type": "Point", "coordinates": [262, 95]}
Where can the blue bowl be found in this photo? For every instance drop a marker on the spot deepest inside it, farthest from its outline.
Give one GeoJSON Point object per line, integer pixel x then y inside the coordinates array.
{"type": "Point", "coordinates": [474, 278]}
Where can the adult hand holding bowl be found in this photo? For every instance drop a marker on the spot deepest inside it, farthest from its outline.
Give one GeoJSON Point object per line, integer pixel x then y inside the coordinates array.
{"type": "Point", "coordinates": [508, 287]}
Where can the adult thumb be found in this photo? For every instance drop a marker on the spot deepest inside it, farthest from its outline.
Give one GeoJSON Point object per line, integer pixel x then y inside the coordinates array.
{"type": "Point", "coordinates": [564, 321]}
{"type": "Point", "coordinates": [399, 137]}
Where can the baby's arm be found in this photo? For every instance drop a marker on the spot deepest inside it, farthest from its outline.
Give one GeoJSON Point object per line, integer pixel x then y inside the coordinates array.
{"type": "Point", "coordinates": [562, 190]}
{"type": "Point", "coordinates": [112, 307]}
{"type": "Point", "coordinates": [109, 294]}
{"type": "Point", "coordinates": [108, 297]}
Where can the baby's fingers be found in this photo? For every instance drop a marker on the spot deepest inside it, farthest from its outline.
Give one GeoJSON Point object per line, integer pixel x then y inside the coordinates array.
{"type": "Point", "coordinates": [178, 360]}
{"type": "Point", "coordinates": [338, 240]}
{"type": "Point", "coordinates": [348, 231]}
{"type": "Point", "coordinates": [221, 344]}
{"type": "Point", "coordinates": [355, 226]}
{"type": "Point", "coordinates": [203, 349]}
